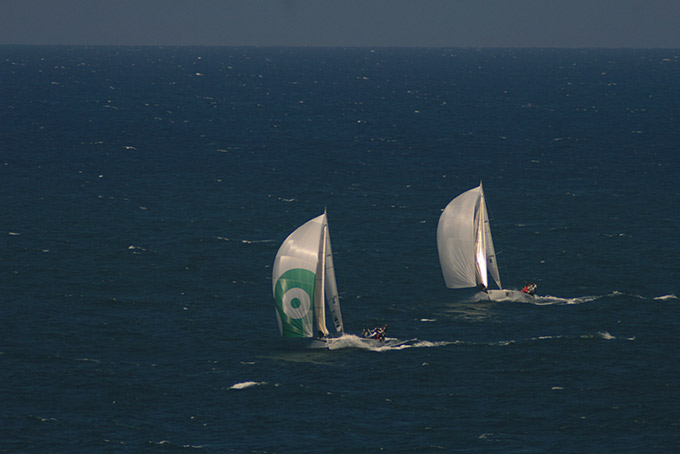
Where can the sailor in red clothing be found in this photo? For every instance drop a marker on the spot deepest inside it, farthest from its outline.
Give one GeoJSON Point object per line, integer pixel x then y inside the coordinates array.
{"type": "Point", "coordinates": [529, 289]}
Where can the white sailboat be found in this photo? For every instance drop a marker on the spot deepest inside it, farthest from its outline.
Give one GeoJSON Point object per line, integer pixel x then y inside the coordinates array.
{"type": "Point", "coordinates": [466, 251]}
{"type": "Point", "coordinates": [303, 280]}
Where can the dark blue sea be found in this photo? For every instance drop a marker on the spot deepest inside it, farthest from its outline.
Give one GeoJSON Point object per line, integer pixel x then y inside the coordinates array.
{"type": "Point", "coordinates": [145, 191]}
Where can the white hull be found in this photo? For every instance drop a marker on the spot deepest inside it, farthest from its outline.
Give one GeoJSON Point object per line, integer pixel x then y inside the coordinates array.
{"type": "Point", "coordinates": [339, 342]}
{"type": "Point", "coordinates": [303, 343]}
{"type": "Point", "coordinates": [317, 343]}
{"type": "Point", "coordinates": [510, 295]}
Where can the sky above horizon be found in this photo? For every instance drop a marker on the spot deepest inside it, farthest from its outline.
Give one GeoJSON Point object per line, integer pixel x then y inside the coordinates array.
{"type": "Point", "coordinates": [348, 23]}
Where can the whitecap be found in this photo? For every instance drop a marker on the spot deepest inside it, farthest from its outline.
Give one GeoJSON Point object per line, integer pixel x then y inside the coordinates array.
{"type": "Point", "coordinates": [89, 360]}
{"type": "Point", "coordinates": [599, 335]}
{"type": "Point", "coordinates": [666, 297]}
{"type": "Point", "coordinates": [41, 419]}
{"type": "Point", "coordinates": [247, 384]}
{"type": "Point", "coordinates": [256, 241]}
{"type": "Point", "coordinates": [547, 337]}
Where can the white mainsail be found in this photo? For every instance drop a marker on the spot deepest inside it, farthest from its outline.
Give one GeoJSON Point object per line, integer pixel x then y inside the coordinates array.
{"type": "Point", "coordinates": [464, 242]}
{"type": "Point", "coordinates": [302, 278]}
{"type": "Point", "coordinates": [331, 287]}
{"type": "Point", "coordinates": [490, 251]}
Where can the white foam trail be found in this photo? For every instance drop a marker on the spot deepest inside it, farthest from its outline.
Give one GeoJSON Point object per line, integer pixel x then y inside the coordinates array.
{"type": "Point", "coordinates": [248, 384]}
{"type": "Point", "coordinates": [390, 344]}
{"type": "Point", "coordinates": [548, 300]}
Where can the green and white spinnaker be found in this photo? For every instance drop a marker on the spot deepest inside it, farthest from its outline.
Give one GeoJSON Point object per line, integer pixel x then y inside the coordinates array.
{"type": "Point", "coordinates": [303, 280]}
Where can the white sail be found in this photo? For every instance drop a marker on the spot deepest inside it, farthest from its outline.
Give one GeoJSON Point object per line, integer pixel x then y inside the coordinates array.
{"type": "Point", "coordinates": [294, 279]}
{"type": "Point", "coordinates": [492, 264]}
{"type": "Point", "coordinates": [320, 285]}
{"type": "Point", "coordinates": [456, 240]}
{"type": "Point", "coordinates": [303, 279]}
{"type": "Point", "coordinates": [332, 298]}
{"type": "Point", "coordinates": [464, 242]}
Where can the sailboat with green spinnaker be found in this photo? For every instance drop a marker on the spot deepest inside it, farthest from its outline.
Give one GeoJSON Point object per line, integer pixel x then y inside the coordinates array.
{"type": "Point", "coordinates": [304, 286]}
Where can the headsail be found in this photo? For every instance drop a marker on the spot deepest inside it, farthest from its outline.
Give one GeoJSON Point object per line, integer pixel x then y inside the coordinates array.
{"type": "Point", "coordinates": [464, 242]}
{"type": "Point", "coordinates": [332, 298]}
{"type": "Point", "coordinates": [492, 264]}
{"type": "Point", "coordinates": [302, 278]}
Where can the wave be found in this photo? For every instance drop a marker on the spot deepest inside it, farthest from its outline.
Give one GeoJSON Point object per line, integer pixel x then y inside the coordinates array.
{"type": "Point", "coordinates": [672, 296]}
{"type": "Point", "coordinates": [247, 384]}
{"type": "Point", "coordinates": [600, 335]}
{"type": "Point", "coordinates": [243, 240]}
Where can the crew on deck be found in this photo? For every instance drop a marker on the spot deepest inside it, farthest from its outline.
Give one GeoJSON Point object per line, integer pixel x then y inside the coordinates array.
{"type": "Point", "coordinates": [529, 289]}
{"type": "Point", "coordinates": [376, 333]}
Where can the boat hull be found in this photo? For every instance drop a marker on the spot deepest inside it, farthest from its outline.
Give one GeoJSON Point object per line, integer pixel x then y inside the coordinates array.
{"type": "Point", "coordinates": [510, 295]}
{"type": "Point", "coordinates": [338, 342]}
{"type": "Point", "coordinates": [317, 344]}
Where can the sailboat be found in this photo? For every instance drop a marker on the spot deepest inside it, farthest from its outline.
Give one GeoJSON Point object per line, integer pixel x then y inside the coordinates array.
{"type": "Point", "coordinates": [303, 280]}
{"type": "Point", "coordinates": [466, 251]}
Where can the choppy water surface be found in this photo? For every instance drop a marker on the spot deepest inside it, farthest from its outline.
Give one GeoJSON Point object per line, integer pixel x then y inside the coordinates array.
{"type": "Point", "coordinates": [145, 192]}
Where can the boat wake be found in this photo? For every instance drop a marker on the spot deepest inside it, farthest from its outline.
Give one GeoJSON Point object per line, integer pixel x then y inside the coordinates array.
{"type": "Point", "coordinates": [548, 300]}
{"type": "Point", "coordinates": [518, 297]}
{"type": "Point", "coordinates": [556, 300]}
{"type": "Point", "coordinates": [350, 341]}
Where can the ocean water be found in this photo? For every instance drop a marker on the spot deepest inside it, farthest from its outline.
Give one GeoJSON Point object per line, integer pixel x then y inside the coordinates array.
{"type": "Point", "coordinates": [145, 192]}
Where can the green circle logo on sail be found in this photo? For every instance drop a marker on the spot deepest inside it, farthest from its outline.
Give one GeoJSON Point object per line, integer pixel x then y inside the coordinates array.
{"type": "Point", "coordinates": [294, 299]}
